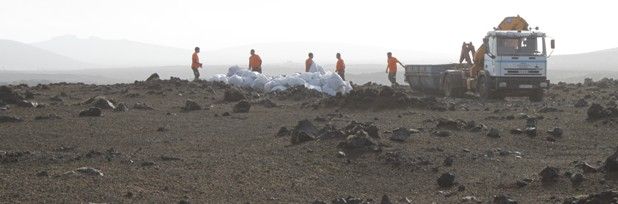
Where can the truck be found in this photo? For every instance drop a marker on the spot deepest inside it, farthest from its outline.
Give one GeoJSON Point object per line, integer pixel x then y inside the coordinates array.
{"type": "Point", "coordinates": [511, 62]}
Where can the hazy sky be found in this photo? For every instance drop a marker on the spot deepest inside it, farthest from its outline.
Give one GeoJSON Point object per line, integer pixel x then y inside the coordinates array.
{"type": "Point", "coordinates": [434, 26]}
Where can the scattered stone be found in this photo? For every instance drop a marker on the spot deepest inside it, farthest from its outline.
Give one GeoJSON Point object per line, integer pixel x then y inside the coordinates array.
{"type": "Point", "coordinates": [596, 111]}
{"type": "Point", "coordinates": [184, 202]}
{"type": "Point", "coordinates": [442, 133]}
{"type": "Point", "coordinates": [581, 103]}
{"type": "Point", "coordinates": [368, 127]}
{"type": "Point", "coordinates": [121, 107]}
{"type": "Point", "coordinates": [303, 132]}
{"type": "Point", "coordinates": [148, 163]}
{"type": "Point", "coordinates": [347, 200]}
{"type": "Point", "coordinates": [89, 171]}
{"type": "Point", "coordinates": [470, 199]}
{"type": "Point", "coordinates": [233, 95]}
{"type": "Point", "coordinates": [341, 154]}
{"type": "Point", "coordinates": [611, 163]}
{"type": "Point", "coordinates": [267, 103]}
{"type": "Point", "coordinates": [283, 131]}
{"type": "Point", "coordinates": [153, 77]}
{"type": "Point", "coordinates": [549, 174]}
{"type": "Point", "coordinates": [493, 133]}
{"type": "Point", "coordinates": [10, 119]}
{"type": "Point", "coordinates": [517, 131]}
{"type": "Point", "coordinates": [50, 116]}
{"type": "Point", "coordinates": [225, 114]}
{"type": "Point", "coordinates": [385, 200]}
{"type": "Point", "coordinates": [27, 104]}
{"type": "Point", "coordinates": [401, 134]}
{"type": "Point", "coordinates": [587, 168]}
{"type": "Point", "coordinates": [450, 124]}
{"type": "Point", "coordinates": [42, 174]}
{"type": "Point", "coordinates": [7, 95]}
{"type": "Point", "coordinates": [599, 198]}
{"type": "Point", "coordinates": [91, 112]}
{"type": "Point", "coordinates": [503, 199]}
{"type": "Point", "coordinates": [191, 105]}
{"type": "Point", "coordinates": [446, 180]}
{"type": "Point", "coordinates": [577, 178]}
{"type": "Point", "coordinates": [242, 107]}
{"type": "Point", "coordinates": [521, 183]}
{"type": "Point", "coordinates": [142, 106]}
{"type": "Point", "coordinates": [103, 103]}
{"type": "Point", "coordinates": [556, 132]}
{"type": "Point", "coordinates": [448, 161]}
{"type": "Point", "coordinates": [359, 140]}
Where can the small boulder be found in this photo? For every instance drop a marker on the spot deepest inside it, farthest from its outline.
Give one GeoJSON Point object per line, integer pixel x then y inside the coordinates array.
{"type": "Point", "coordinates": [596, 111]}
{"type": "Point", "coordinates": [549, 174]}
{"type": "Point", "coordinates": [242, 107]}
{"type": "Point", "coordinates": [91, 112]}
{"type": "Point", "coordinates": [577, 178]}
{"type": "Point", "coordinates": [359, 140]}
{"type": "Point", "coordinates": [142, 106]}
{"type": "Point", "coordinates": [611, 163]}
{"type": "Point", "coordinates": [493, 133]}
{"type": "Point", "coordinates": [401, 134]}
{"type": "Point", "coordinates": [581, 103]}
{"type": "Point", "coordinates": [103, 103]}
{"type": "Point", "coordinates": [121, 107]}
{"type": "Point", "coordinates": [153, 77]}
{"type": "Point", "coordinates": [191, 105]}
{"type": "Point", "coordinates": [446, 180]}
{"type": "Point", "coordinates": [283, 131]}
{"type": "Point", "coordinates": [517, 131]}
{"type": "Point", "coordinates": [442, 133]}
{"type": "Point", "coordinates": [556, 132]}
{"type": "Point", "coordinates": [89, 171]}
{"type": "Point", "coordinates": [233, 95]}
{"type": "Point", "coordinates": [10, 119]}
{"type": "Point", "coordinates": [50, 116]}
{"type": "Point", "coordinates": [503, 199]}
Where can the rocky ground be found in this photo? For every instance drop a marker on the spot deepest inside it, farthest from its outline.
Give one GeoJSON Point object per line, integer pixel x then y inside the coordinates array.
{"type": "Point", "coordinates": [169, 141]}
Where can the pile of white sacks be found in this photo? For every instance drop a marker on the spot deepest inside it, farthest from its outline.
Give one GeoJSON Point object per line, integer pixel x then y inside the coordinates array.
{"type": "Point", "coordinates": [316, 79]}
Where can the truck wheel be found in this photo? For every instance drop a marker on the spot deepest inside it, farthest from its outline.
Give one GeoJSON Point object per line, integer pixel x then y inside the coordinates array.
{"type": "Point", "coordinates": [536, 96]}
{"type": "Point", "coordinates": [483, 89]}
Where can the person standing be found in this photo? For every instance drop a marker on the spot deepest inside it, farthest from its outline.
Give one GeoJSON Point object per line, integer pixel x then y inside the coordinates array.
{"type": "Point", "coordinates": [195, 64]}
{"type": "Point", "coordinates": [340, 68]}
{"type": "Point", "coordinates": [255, 62]}
{"type": "Point", "coordinates": [309, 62]}
{"type": "Point", "coordinates": [391, 68]}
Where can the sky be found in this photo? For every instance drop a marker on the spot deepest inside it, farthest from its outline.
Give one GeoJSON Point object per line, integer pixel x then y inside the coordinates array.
{"type": "Point", "coordinates": [437, 26]}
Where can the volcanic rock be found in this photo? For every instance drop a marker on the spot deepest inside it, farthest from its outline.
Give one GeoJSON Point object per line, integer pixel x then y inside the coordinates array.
{"type": "Point", "coordinates": [89, 171]}
{"type": "Point", "coordinates": [233, 95]}
{"type": "Point", "coordinates": [549, 174]}
{"type": "Point", "coordinates": [503, 199]}
{"type": "Point", "coordinates": [581, 103]}
{"type": "Point", "coordinates": [611, 163]}
{"type": "Point", "coordinates": [446, 180]}
{"type": "Point", "coordinates": [153, 77]}
{"type": "Point", "coordinates": [242, 107]}
{"type": "Point", "coordinates": [142, 106]}
{"type": "Point", "coordinates": [91, 112]}
{"type": "Point", "coordinates": [556, 132]}
{"type": "Point", "coordinates": [599, 198]}
{"type": "Point", "coordinates": [103, 103]}
{"type": "Point", "coordinates": [10, 119]}
{"type": "Point", "coordinates": [401, 134]}
{"type": "Point", "coordinates": [359, 140]}
{"type": "Point", "coordinates": [191, 105]}
{"type": "Point", "coordinates": [494, 133]}
{"type": "Point", "coordinates": [121, 107]}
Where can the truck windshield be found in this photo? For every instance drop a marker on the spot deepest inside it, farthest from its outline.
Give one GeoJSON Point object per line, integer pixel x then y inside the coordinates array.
{"type": "Point", "coordinates": [527, 46]}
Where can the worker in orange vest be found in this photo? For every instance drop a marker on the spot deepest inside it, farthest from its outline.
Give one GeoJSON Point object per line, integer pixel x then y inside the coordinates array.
{"type": "Point", "coordinates": [309, 62]}
{"type": "Point", "coordinates": [255, 62]}
{"type": "Point", "coordinates": [391, 68]}
{"type": "Point", "coordinates": [340, 68]}
{"type": "Point", "coordinates": [195, 64]}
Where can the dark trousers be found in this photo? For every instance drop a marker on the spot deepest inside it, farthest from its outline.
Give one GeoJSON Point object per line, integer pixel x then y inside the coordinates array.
{"type": "Point", "coordinates": [392, 77]}
{"type": "Point", "coordinates": [196, 73]}
{"type": "Point", "coordinates": [341, 74]}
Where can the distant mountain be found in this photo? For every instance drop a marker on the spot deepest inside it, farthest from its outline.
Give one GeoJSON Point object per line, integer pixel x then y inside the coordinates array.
{"type": "Point", "coordinates": [604, 60]}
{"type": "Point", "coordinates": [20, 56]}
{"type": "Point", "coordinates": [116, 53]}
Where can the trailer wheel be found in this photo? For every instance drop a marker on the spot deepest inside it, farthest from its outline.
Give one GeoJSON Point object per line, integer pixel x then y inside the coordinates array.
{"type": "Point", "coordinates": [451, 89]}
{"type": "Point", "coordinates": [536, 96]}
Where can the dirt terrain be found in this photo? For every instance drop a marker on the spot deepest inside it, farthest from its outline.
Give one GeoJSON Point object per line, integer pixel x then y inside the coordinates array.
{"type": "Point", "coordinates": [174, 141]}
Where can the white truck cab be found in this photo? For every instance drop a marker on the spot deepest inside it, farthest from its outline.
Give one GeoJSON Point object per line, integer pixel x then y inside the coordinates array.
{"type": "Point", "coordinates": [516, 63]}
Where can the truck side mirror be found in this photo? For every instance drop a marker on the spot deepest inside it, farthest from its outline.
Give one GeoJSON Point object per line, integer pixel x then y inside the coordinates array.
{"type": "Point", "coordinates": [553, 44]}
